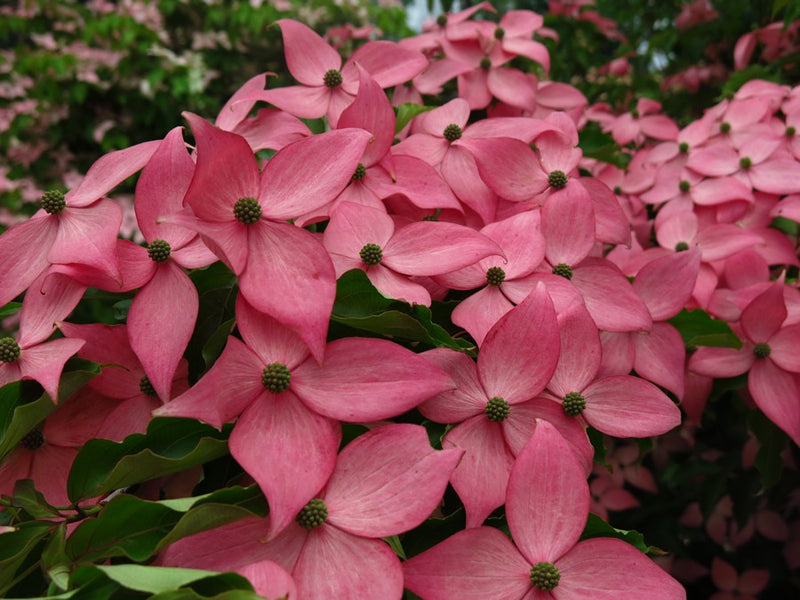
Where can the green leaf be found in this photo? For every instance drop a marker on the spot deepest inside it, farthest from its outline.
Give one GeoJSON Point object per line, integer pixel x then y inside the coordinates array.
{"type": "Point", "coordinates": [17, 421]}
{"type": "Point", "coordinates": [16, 547]}
{"type": "Point", "coordinates": [55, 562]}
{"type": "Point", "coordinates": [29, 499]}
{"type": "Point", "coordinates": [406, 112]}
{"type": "Point", "coordinates": [141, 578]}
{"type": "Point", "coordinates": [772, 441]}
{"type": "Point", "coordinates": [357, 297]}
{"type": "Point", "coordinates": [136, 528]}
{"type": "Point", "coordinates": [170, 445]}
{"type": "Point", "coordinates": [10, 309]}
{"type": "Point", "coordinates": [597, 527]}
{"type": "Point", "coordinates": [360, 306]}
{"type": "Point", "coordinates": [396, 546]}
{"type": "Point", "coordinates": [215, 344]}
{"type": "Point", "coordinates": [697, 328]}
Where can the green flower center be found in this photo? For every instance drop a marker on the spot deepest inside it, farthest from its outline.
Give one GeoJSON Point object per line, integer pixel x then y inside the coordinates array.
{"type": "Point", "coordinates": [9, 350]}
{"type": "Point", "coordinates": [545, 576]}
{"type": "Point", "coordinates": [574, 404]}
{"type": "Point", "coordinates": [332, 78]}
{"type": "Point", "coordinates": [683, 147]}
{"type": "Point", "coordinates": [247, 210]}
{"type": "Point", "coordinates": [452, 132]}
{"type": "Point", "coordinates": [495, 276]}
{"type": "Point", "coordinates": [53, 201]}
{"type": "Point", "coordinates": [486, 64]}
{"type": "Point", "coordinates": [441, 20]}
{"type": "Point", "coordinates": [746, 163]}
{"type": "Point", "coordinates": [497, 410]}
{"type": "Point", "coordinates": [33, 440]}
{"type": "Point", "coordinates": [158, 250]}
{"type": "Point", "coordinates": [276, 377]}
{"type": "Point", "coordinates": [617, 190]}
{"type": "Point", "coordinates": [681, 247]}
{"type": "Point", "coordinates": [557, 179]}
{"type": "Point", "coordinates": [360, 172]}
{"type": "Point", "coordinates": [563, 270]}
{"type": "Point", "coordinates": [146, 387]}
{"type": "Point", "coordinates": [499, 33]}
{"type": "Point", "coordinates": [371, 254]}
{"type": "Point", "coordinates": [684, 186]}
{"type": "Point", "coordinates": [725, 127]}
{"type": "Point", "coordinates": [790, 131]}
{"type": "Point", "coordinates": [635, 113]}
{"type": "Point", "coordinates": [313, 514]}
{"type": "Point", "coordinates": [762, 350]}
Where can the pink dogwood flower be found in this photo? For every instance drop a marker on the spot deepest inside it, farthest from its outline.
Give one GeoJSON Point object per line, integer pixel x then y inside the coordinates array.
{"type": "Point", "coordinates": [547, 504]}
{"type": "Point", "coordinates": [327, 86]}
{"type": "Point", "coordinates": [242, 218]}
{"type": "Point", "coordinates": [288, 405]}
{"type": "Point", "coordinates": [360, 237]}
{"type": "Point", "coordinates": [770, 356]}
{"type": "Point", "coordinates": [385, 482]}
{"type": "Point", "coordinates": [495, 405]}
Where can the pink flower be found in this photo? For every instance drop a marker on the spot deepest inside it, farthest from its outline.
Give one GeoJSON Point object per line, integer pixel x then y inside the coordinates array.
{"type": "Point", "coordinates": [546, 506]}
{"type": "Point", "coordinates": [735, 586]}
{"type": "Point", "coordinates": [288, 405]}
{"type": "Point", "coordinates": [385, 482]}
{"type": "Point", "coordinates": [327, 86]}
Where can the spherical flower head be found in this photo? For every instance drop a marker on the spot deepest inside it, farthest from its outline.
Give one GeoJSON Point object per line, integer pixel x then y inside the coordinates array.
{"type": "Point", "coordinates": [545, 576]}
{"type": "Point", "coordinates": [276, 377]}
{"type": "Point", "coordinates": [497, 410]}
{"type": "Point", "coordinates": [452, 132]}
{"type": "Point", "coordinates": [762, 350]}
{"type": "Point", "coordinates": [725, 127]}
{"type": "Point", "coordinates": [684, 186]}
{"type": "Point", "coordinates": [313, 514]}
{"type": "Point", "coordinates": [146, 387]}
{"type": "Point", "coordinates": [745, 163]}
{"type": "Point", "coordinates": [681, 247]}
{"type": "Point", "coordinates": [617, 190]}
{"type": "Point", "coordinates": [683, 148]}
{"type": "Point", "coordinates": [486, 63]}
{"type": "Point", "coordinates": [33, 440]}
{"type": "Point", "coordinates": [53, 202]}
{"type": "Point", "coordinates": [9, 350]}
{"type": "Point", "coordinates": [332, 78]}
{"type": "Point", "coordinates": [158, 250]}
{"type": "Point", "coordinates": [495, 276]}
{"type": "Point", "coordinates": [360, 172]}
{"type": "Point", "coordinates": [247, 210]}
{"type": "Point", "coordinates": [441, 20]}
{"type": "Point", "coordinates": [574, 404]}
{"type": "Point", "coordinates": [790, 131]}
{"type": "Point", "coordinates": [563, 270]}
{"type": "Point", "coordinates": [499, 33]}
{"type": "Point", "coordinates": [557, 180]}
{"type": "Point", "coordinates": [371, 254]}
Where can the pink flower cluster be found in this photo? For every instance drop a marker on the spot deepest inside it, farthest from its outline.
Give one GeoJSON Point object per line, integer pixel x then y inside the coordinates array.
{"type": "Point", "coordinates": [571, 295]}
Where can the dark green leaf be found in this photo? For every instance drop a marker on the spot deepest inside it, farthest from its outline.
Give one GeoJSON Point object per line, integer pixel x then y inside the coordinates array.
{"type": "Point", "coordinates": [16, 547]}
{"type": "Point", "coordinates": [357, 297]}
{"type": "Point", "coordinates": [29, 499]}
{"type": "Point", "coordinates": [55, 562]}
{"type": "Point", "coordinates": [772, 441]}
{"type": "Point", "coordinates": [697, 328]}
{"type": "Point", "coordinates": [136, 528]}
{"type": "Point", "coordinates": [17, 421]}
{"type": "Point", "coordinates": [597, 527]}
{"type": "Point", "coordinates": [215, 344]}
{"type": "Point", "coordinates": [168, 446]}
